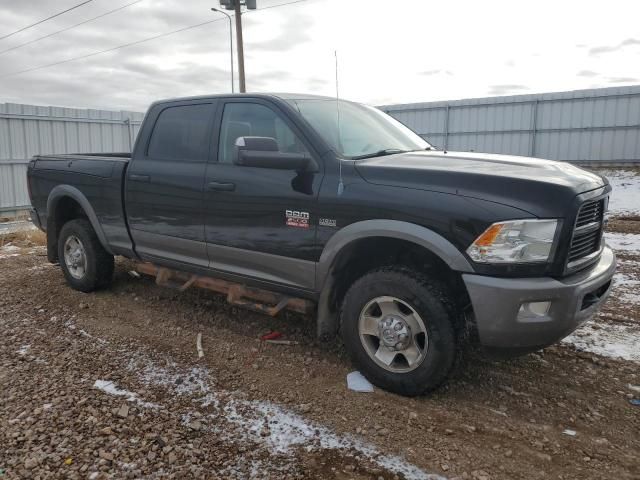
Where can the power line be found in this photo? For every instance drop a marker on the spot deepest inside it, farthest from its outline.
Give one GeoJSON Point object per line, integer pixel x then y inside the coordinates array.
{"type": "Point", "coordinates": [69, 28]}
{"type": "Point", "coordinates": [275, 6]}
{"type": "Point", "coordinates": [138, 42]}
{"type": "Point", "coordinates": [131, 44]}
{"type": "Point", "coordinates": [45, 19]}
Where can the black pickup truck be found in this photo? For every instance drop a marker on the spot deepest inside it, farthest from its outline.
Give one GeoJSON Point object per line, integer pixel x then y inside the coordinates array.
{"type": "Point", "coordinates": [409, 252]}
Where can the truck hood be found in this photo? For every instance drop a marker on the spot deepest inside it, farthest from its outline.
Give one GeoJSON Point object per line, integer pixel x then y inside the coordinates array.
{"type": "Point", "coordinates": [543, 188]}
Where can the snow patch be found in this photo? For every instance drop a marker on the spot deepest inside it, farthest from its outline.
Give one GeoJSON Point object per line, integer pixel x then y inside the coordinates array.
{"type": "Point", "coordinates": [111, 389]}
{"type": "Point", "coordinates": [623, 242]}
{"type": "Point", "coordinates": [190, 382]}
{"type": "Point", "coordinates": [625, 197]}
{"type": "Point", "coordinates": [623, 280]}
{"type": "Point", "coordinates": [630, 297]}
{"type": "Point", "coordinates": [626, 289]}
{"type": "Point", "coordinates": [275, 427]}
{"type": "Point", "coordinates": [8, 251]}
{"type": "Point", "coordinates": [609, 340]}
{"type": "Point", "coordinates": [286, 430]}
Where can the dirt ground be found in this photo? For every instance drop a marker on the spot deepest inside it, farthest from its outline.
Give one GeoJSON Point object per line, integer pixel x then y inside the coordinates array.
{"type": "Point", "coordinates": [625, 224]}
{"type": "Point", "coordinates": [109, 385]}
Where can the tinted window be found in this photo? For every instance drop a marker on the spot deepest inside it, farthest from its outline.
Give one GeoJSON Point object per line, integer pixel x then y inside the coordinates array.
{"type": "Point", "coordinates": [181, 133]}
{"type": "Point", "coordinates": [254, 120]}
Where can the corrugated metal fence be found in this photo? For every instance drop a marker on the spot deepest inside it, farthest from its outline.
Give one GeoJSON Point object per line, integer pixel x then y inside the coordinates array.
{"type": "Point", "coordinates": [27, 130]}
{"type": "Point", "coordinates": [587, 126]}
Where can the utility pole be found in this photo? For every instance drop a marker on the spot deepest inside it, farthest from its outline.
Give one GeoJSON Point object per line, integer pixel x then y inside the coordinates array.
{"type": "Point", "coordinates": [236, 5]}
{"type": "Point", "coordinates": [243, 85]}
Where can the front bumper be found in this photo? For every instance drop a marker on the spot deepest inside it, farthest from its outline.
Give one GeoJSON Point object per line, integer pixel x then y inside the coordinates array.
{"type": "Point", "coordinates": [574, 299]}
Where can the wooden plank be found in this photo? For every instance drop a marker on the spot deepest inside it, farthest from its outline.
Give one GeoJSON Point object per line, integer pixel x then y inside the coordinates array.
{"type": "Point", "coordinates": [256, 299]}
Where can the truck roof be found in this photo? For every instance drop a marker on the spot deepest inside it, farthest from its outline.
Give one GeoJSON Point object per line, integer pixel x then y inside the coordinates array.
{"type": "Point", "coordinates": [283, 96]}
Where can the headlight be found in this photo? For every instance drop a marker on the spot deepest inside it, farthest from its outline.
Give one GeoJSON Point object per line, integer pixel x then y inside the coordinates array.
{"type": "Point", "coordinates": [515, 241]}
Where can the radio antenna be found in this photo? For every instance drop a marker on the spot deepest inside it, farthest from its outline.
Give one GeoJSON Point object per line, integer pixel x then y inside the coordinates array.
{"type": "Point", "coordinates": [340, 183]}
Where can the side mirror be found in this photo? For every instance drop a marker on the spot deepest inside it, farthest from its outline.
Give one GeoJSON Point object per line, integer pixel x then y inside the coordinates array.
{"type": "Point", "coordinates": [262, 152]}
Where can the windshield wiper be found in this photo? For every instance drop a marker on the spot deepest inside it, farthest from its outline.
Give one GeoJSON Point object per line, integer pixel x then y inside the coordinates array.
{"type": "Point", "coordinates": [379, 153]}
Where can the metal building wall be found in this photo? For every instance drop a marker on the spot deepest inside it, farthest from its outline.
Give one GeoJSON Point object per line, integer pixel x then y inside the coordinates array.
{"type": "Point", "coordinates": [586, 126]}
{"type": "Point", "coordinates": [27, 130]}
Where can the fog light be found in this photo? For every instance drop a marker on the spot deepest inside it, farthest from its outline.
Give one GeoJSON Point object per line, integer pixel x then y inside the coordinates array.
{"type": "Point", "coordinates": [534, 309]}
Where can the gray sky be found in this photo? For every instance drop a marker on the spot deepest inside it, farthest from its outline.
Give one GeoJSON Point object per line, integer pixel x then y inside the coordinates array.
{"type": "Point", "coordinates": [421, 52]}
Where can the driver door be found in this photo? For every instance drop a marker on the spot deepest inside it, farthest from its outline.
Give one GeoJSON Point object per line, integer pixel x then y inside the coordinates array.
{"type": "Point", "coordinates": [260, 222]}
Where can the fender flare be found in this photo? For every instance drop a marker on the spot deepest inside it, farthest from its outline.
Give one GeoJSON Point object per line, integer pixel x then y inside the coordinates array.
{"type": "Point", "coordinates": [61, 191]}
{"type": "Point", "coordinates": [430, 240]}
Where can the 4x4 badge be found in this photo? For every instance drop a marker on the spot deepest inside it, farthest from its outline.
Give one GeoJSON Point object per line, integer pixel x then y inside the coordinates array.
{"type": "Point", "coordinates": [327, 222]}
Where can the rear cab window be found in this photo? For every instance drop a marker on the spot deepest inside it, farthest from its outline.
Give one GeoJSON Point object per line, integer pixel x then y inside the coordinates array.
{"type": "Point", "coordinates": [181, 133]}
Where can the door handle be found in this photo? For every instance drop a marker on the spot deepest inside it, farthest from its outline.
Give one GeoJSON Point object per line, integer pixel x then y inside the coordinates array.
{"type": "Point", "coordinates": [221, 186]}
{"type": "Point", "coordinates": [140, 178]}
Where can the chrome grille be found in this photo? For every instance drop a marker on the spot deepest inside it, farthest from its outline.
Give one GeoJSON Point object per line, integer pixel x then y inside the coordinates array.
{"type": "Point", "coordinates": [587, 233]}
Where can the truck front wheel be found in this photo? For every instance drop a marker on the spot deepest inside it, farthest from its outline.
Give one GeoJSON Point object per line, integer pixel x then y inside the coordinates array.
{"type": "Point", "coordinates": [398, 328]}
{"type": "Point", "coordinates": [85, 264]}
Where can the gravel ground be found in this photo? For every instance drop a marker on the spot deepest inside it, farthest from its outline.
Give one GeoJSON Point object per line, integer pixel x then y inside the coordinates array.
{"type": "Point", "coordinates": [109, 385]}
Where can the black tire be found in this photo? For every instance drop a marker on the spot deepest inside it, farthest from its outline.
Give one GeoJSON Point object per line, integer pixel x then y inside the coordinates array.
{"type": "Point", "coordinates": [98, 271]}
{"type": "Point", "coordinates": [429, 300]}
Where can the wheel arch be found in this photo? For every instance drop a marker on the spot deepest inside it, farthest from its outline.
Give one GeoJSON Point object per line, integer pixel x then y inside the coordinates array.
{"type": "Point", "coordinates": [66, 202]}
{"type": "Point", "coordinates": [428, 244]}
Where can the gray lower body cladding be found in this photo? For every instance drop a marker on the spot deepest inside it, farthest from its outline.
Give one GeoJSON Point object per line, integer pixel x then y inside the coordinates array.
{"type": "Point", "coordinates": [501, 322]}
{"type": "Point", "coordinates": [35, 218]}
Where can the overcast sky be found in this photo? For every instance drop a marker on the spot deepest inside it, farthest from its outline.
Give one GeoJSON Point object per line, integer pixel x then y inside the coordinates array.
{"type": "Point", "coordinates": [426, 50]}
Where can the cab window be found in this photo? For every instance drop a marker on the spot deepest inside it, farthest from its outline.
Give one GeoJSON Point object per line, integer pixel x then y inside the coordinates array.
{"type": "Point", "coordinates": [181, 133]}
{"type": "Point", "coordinates": [254, 120]}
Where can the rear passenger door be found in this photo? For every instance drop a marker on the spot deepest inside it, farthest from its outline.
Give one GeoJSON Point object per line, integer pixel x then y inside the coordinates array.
{"type": "Point", "coordinates": [164, 184]}
{"type": "Point", "coordinates": [261, 222]}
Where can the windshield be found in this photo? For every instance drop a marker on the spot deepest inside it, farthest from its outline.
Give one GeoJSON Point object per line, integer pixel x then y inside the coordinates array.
{"type": "Point", "coordinates": [358, 131]}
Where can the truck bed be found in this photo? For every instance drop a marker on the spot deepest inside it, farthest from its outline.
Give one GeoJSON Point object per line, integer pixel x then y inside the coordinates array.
{"type": "Point", "coordinates": [94, 178]}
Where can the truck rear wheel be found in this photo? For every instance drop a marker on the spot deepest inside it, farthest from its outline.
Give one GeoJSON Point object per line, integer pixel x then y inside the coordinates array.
{"type": "Point", "coordinates": [86, 265]}
{"type": "Point", "coordinates": [398, 328]}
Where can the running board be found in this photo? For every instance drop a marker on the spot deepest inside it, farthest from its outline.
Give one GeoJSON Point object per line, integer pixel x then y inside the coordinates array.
{"type": "Point", "coordinates": [254, 299]}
